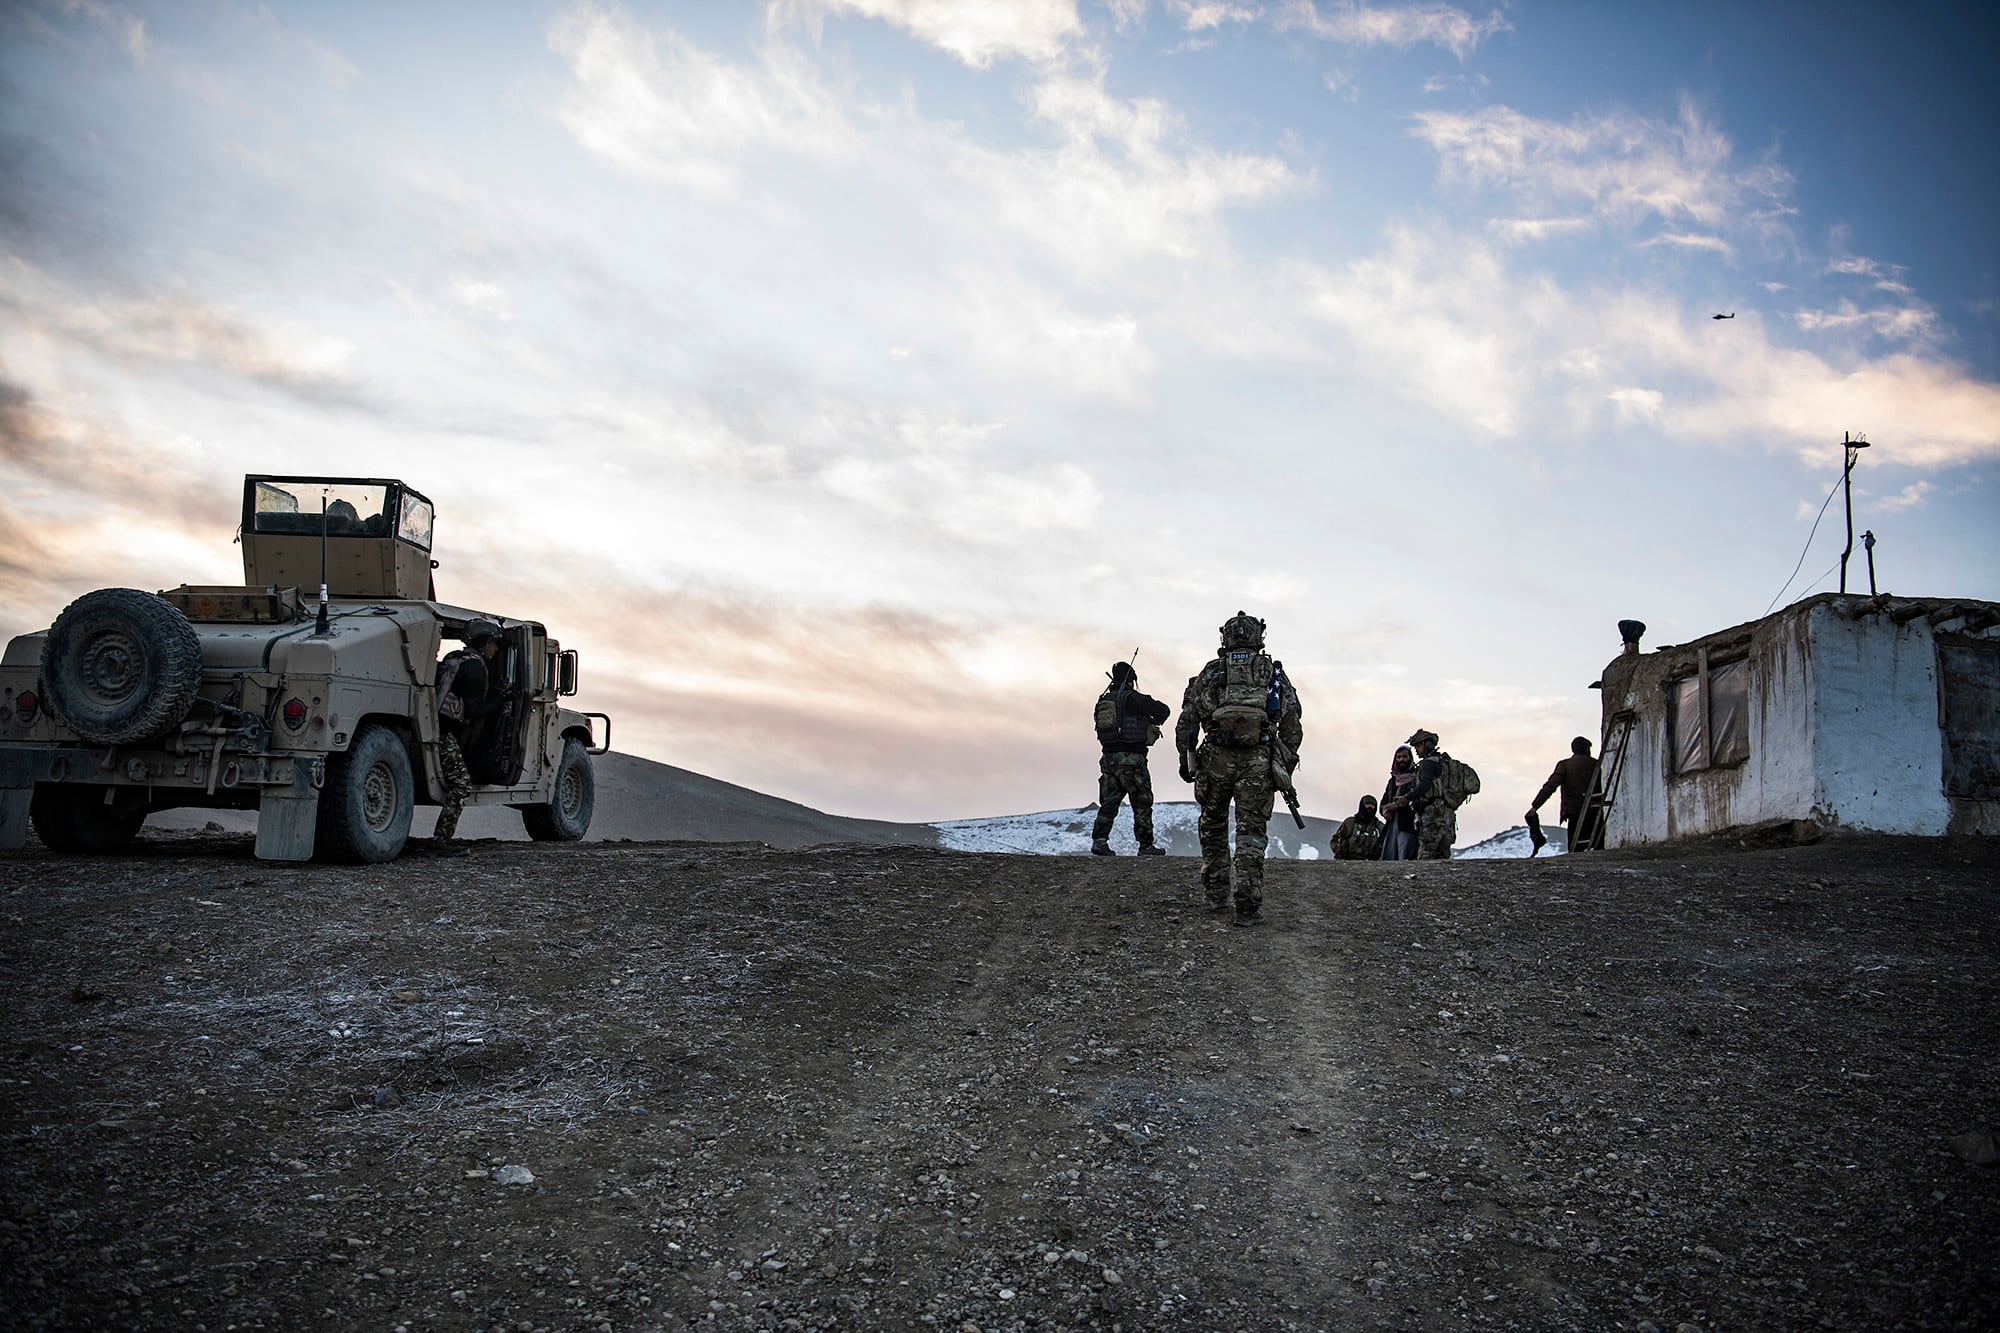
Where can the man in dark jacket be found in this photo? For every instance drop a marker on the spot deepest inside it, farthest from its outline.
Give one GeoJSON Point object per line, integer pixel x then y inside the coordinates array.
{"type": "Point", "coordinates": [478, 700]}
{"type": "Point", "coordinates": [1134, 723]}
{"type": "Point", "coordinates": [1573, 777]}
{"type": "Point", "coordinates": [1359, 837]}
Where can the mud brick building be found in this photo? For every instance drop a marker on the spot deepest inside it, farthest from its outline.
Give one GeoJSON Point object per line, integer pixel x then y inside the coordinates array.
{"type": "Point", "coordinates": [1873, 714]}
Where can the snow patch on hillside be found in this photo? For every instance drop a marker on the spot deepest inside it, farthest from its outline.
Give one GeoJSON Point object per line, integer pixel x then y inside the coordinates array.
{"type": "Point", "coordinates": [1513, 844]}
{"type": "Point", "coordinates": [1067, 833]}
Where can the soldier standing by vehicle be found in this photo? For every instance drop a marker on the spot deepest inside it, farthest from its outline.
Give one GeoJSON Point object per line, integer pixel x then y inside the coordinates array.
{"type": "Point", "coordinates": [1127, 722]}
{"type": "Point", "coordinates": [465, 699]}
{"type": "Point", "coordinates": [1247, 716]}
{"type": "Point", "coordinates": [1359, 837]}
{"type": "Point", "coordinates": [1443, 784]}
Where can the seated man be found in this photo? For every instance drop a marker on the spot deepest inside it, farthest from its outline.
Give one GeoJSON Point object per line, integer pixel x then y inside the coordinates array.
{"type": "Point", "coordinates": [476, 701]}
{"type": "Point", "coordinates": [1359, 837]}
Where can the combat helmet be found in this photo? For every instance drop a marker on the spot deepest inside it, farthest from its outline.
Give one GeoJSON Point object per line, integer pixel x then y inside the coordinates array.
{"type": "Point", "coordinates": [478, 630]}
{"type": "Point", "coordinates": [1422, 738]}
{"type": "Point", "coordinates": [1242, 630]}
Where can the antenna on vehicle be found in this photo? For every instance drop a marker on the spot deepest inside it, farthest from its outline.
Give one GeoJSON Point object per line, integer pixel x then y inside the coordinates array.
{"type": "Point", "coordinates": [319, 625]}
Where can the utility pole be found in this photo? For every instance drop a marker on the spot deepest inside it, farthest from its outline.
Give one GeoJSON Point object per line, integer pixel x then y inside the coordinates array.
{"type": "Point", "coordinates": [1851, 448]}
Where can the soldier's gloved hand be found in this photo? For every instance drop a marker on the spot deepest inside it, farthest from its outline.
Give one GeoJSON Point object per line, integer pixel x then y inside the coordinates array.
{"type": "Point", "coordinates": [1187, 766]}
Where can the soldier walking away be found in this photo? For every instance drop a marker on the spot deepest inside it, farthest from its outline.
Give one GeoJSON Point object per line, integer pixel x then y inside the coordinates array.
{"type": "Point", "coordinates": [466, 698]}
{"type": "Point", "coordinates": [1443, 784]}
{"type": "Point", "coordinates": [1247, 716]}
{"type": "Point", "coordinates": [1127, 722]}
{"type": "Point", "coordinates": [1359, 837]}
{"type": "Point", "coordinates": [1573, 777]}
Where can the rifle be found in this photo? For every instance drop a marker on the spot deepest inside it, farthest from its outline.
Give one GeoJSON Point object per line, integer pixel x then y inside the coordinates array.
{"type": "Point", "coordinates": [1281, 779]}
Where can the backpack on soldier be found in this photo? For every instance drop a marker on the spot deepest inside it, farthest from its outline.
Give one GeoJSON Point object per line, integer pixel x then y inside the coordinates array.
{"type": "Point", "coordinates": [1240, 716]}
{"type": "Point", "coordinates": [1119, 725]}
{"type": "Point", "coordinates": [451, 707]}
{"type": "Point", "coordinates": [1457, 782]}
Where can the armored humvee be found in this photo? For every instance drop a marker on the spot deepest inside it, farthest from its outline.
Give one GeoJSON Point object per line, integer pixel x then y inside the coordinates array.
{"type": "Point", "coordinates": [317, 711]}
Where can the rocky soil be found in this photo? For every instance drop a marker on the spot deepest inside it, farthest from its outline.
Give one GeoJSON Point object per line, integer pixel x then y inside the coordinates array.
{"type": "Point", "coordinates": [671, 1084]}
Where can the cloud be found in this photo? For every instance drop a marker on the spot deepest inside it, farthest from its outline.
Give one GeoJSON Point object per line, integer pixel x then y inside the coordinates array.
{"type": "Point", "coordinates": [82, 500]}
{"type": "Point", "coordinates": [1637, 404]}
{"type": "Point", "coordinates": [1403, 25]}
{"type": "Point", "coordinates": [1123, 183]}
{"type": "Point", "coordinates": [126, 28]}
{"type": "Point", "coordinates": [1907, 323]}
{"type": "Point", "coordinates": [483, 299]}
{"type": "Point", "coordinates": [1682, 240]}
{"type": "Point", "coordinates": [1622, 167]}
{"type": "Point", "coordinates": [1205, 15]}
{"type": "Point", "coordinates": [977, 34]}
{"type": "Point", "coordinates": [918, 470]}
{"type": "Point", "coordinates": [180, 329]}
{"type": "Point", "coordinates": [654, 104]}
{"type": "Point", "coordinates": [1436, 317]}
{"type": "Point", "coordinates": [1515, 231]}
{"type": "Point", "coordinates": [1910, 497]}
{"type": "Point", "coordinates": [1016, 329]}
{"type": "Point", "coordinates": [1425, 315]}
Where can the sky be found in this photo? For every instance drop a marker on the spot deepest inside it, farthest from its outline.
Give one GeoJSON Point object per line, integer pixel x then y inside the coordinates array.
{"type": "Point", "coordinates": [853, 381]}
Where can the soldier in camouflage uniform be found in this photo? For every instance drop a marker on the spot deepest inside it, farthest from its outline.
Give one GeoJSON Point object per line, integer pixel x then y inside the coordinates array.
{"type": "Point", "coordinates": [1245, 715]}
{"type": "Point", "coordinates": [472, 685]}
{"type": "Point", "coordinates": [1437, 818]}
{"type": "Point", "coordinates": [1133, 724]}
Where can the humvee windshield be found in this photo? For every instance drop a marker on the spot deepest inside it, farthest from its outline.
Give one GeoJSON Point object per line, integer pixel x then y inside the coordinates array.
{"type": "Point", "coordinates": [352, 510]}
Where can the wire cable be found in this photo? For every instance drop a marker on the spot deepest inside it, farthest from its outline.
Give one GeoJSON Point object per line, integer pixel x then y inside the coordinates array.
{"type": "Point", "coordinates": [1807, 547]}
{"type": "Point", "coordinates": [1821, 579]}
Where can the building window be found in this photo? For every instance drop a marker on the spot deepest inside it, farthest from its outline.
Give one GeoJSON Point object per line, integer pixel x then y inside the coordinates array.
{"type": "Point", "coordinates": [1708, 716]}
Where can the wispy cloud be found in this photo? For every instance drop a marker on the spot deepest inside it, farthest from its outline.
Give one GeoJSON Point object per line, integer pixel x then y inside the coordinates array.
{"type": "Point", "coordinates": [127, 28]}
{"type": "Point", "coordinates": [1623, 167]}
{"type": "Point", "coordinates": [978, 34]}
{"type": "Point", "coordinates": [1206, 15]}
{"type": "Point", "coordinates": [651, 102]}
{"type": "Point", "coordinates": [1637, 404]}
{"type": "Point", "coordinates": [1905, 323]}
{"type": "Point", "coordinates": [1124, 183]}
{"type": "Point", "coordinates": [180, 329]}
{"type": "Point", "coordinates": [1439, 317]}
{"type": "Point", "coordinates": [1910, 497]}
{"type": "Point", "coordinates": [1687, 240]}
{"type": "Point", "coordinates": [1398, 25]}
{"type": "Point", "coordinates": [1517, 231]}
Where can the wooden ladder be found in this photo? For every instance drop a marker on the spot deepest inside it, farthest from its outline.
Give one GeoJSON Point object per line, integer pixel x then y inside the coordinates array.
{"type": "Point", "coordinates": [1604, 789]}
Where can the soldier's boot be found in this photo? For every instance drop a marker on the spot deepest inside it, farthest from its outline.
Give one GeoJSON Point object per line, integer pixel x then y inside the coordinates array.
{"type": "Point", "coordinates": [1151, 849]}
{"type": "Point", "coordinates": [1101, 847]}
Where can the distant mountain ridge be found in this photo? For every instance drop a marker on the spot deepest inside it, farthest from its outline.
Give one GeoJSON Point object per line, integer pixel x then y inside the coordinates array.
{"type": "Point", "coordinates": [642, 800]}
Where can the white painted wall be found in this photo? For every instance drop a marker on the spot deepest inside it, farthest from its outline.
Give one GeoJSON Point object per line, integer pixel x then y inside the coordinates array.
{"type": "Point", "coordinates": [1843, 731]}
{"type": "Point", "coordinates": [1880, 756]}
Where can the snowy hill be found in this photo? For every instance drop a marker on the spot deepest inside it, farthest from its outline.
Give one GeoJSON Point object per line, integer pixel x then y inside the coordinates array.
{"type": "Point", "coordinates": [1511, 844]}
{"type": "Point", "coordinates": [1067, 833]}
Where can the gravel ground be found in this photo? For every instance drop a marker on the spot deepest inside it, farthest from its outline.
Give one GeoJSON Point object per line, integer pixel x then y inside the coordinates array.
{"type": "Point", "coordinates": [654, 1085]}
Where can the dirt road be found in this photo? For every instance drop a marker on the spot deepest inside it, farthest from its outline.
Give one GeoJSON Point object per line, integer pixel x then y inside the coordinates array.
{"type": "Point", "coordinates": [884, 1088]}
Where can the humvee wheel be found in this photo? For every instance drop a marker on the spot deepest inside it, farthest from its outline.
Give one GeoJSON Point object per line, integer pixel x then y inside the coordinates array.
{"type": "Point", "coordinates": [120, 666]}
{"type": "Point", "coordinates": [566, 817]}
{"type": "Point", "coordinates": [364, 809]}
{"type": "Point", "coordinates": [75, 819]}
